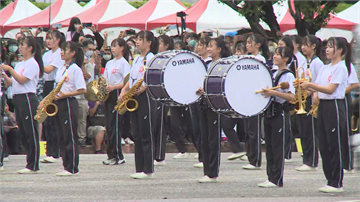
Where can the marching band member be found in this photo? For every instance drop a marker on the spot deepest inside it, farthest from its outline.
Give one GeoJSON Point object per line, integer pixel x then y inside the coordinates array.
{"type": "Point", "coordinates": [331, 87]}
{"type": "Point", "coordinates": [278, 116]}
{"type": "Point", "coordinates": [311, 47]}
{"type": "Point", "coordinates": [209, 122]}
{"type": "Point", "coordinates": [25, 76]}
{"type": "Point", "coordinates": [254, 44]}
{"type": "Point", "coordinates": [52, 62]}
{"type": "Point", "coordinates": [160, 112]}
{"type": "Point", "coordinates": [115, 72]}
{"type": "Point", "coordinates": [147, 44]}
{"type": "Point", "coordinates": [66, 120]}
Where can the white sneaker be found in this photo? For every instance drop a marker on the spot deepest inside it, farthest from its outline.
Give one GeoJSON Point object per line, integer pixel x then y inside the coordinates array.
{"type": "Point", "coordinates": [196, 156]}
{"type": "Point", "coordinates": [65, 173]}
{"type": "Point", "coordinates": [27, 171]}
{"type": "Point", "coordinates": [6, 159]}
{"type": "Point", "coordinates": [207, 179]}
{"type": "Point", "coordinates": [159, 163]}
{"type": "Point", "coordinates": [349, 171]}
{"type": "Point", "coordinates": [330, 189]}
{"type": "Point", "coordinates": [251, 167]}
{"type": "Point", "coordinates": [181, 156]}
{"type": "Point", "coordinates": [50, 159]}
{"type": "Point", "coordinates": [122, 141]}
{"type": "Point", "coordinates": [267, 184]}
{"type": "Point", "coordinates": [288, 160]}
{"type": "Point", "coordinates": [244, 158]}
{"type": "Point", "coordinates": [236, 155]}
{"type": "Point", "coordinates": [306, 168]}
{"type": "Point", "coordinates": [142, 175]}
{"type": "Point", "coordinates": [129, 141]}
{"type": "Point", "coordinates": [199, 165]}
{"type": "Point", "coordinates": [2, 168]}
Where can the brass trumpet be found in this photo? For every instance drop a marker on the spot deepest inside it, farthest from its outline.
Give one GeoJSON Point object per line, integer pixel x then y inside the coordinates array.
{"type": "Point", "coordinates": [300, 95]}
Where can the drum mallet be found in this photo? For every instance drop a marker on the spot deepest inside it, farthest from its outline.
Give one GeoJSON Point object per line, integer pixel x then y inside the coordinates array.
{"type": "Point", "coordinates": [283, 85]}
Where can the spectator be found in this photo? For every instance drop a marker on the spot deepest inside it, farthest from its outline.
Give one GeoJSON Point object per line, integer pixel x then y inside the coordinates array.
{"type": "Point", "coordinates": [96, 129]}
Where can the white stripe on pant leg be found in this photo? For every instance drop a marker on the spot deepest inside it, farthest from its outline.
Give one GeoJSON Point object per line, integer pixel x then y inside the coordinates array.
{"type": "Point", "coordinates": [117, 129]}
{"type": "Point", "coordinates": [219, 136]}
{"type": "Point", "coordinates": [258, 141]}
{"type": "Point", "coordinates": [161, 129]}
{"type": "Point", "coordinates": [33, 129]}
{"type": "Point", "coordinates": [314, 143]}
{"type": "Point", "coordinates": [348, 129]}
{"type": "Point", "coordinates": [283, 146]}
{"type": "Point", "coordinates": [339, 141]}
{"type": "Point", "coordinates": [151, 134]}
{"type": "Point", "coordinates": [72, 133]}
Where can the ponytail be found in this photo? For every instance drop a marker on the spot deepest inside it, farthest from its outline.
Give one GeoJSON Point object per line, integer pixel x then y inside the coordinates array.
{"type": "Point", "coordinates": [311, 40]}
{"type": "Point", "coordinates": [225, 51]}
{"type": "Point", "coordinates": [341, 42]}
{"type": "Point", "coordinates": [149, 36]}
{"type": "Point", "coordinates": [257, 38]}
{"type": "Point", "coordinates": [36, 51]}
{"type": "Point", "coordinates": [348, 57]}
{"type": "Point", "coordinates": [79, 53]}
{"type": "Point", "coordinates": [122, 43]}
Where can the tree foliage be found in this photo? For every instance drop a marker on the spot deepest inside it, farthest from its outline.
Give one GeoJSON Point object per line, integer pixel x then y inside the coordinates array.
{"type": "Point", "coordinates": [309, 16]}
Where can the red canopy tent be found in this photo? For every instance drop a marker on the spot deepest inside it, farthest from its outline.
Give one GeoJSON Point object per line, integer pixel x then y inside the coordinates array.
{"type": "Point", "coordinates": [138, 19]}
{"type": "Point", "coordinates": [287, 22]}
{"type": "Point", "coordinates": [6, 13]}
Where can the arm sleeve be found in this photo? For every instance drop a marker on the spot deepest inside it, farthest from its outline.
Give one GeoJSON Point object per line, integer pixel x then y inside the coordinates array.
{"type": "Point", "coordinates": [79, 81]}
{"type": "Point", "coordinates": [339, 75]}
{"type": "Point", "coordinates": [99, 40]}
{"type": "Point", "coordinates": [353, 77]}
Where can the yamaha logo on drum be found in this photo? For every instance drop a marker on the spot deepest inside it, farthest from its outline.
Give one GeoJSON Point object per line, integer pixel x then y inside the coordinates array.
{"type": "Point", "coordinates": [183, 61]}
{"type": "Point", "coordinates": [247, 67]}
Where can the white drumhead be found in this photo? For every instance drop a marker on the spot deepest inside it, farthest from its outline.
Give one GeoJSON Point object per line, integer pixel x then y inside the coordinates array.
{"type": "Point", "coordinates": [184, 75]}
{"type": "Point", "coordinates": [244, 78]}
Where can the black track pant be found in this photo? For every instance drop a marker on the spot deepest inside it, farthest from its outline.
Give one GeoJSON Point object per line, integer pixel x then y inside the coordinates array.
{"type": "Point", "coordinates": [348, 154]}
{"type": "Point", "coordinates": [276, 129]}
{"type": "Point", "coordinates": [252, 127]}
{"type": "Point", "coordinates": [195, 117]}
{"type": "Point", "coordinates": [178, 114]}
{"type": "Point", "coordinates": [114, 127]}
{"type": "Point", "coordinates": [25, 110]}
{"type": "Point", "coordinates": [158, 125]}
{"type": "Point", "coordinates": [2, 142]}
{"type": "Point", "coordinates": [308, 135]}
{"type": "Point", "coordinates": [52, 141]}
{"type": "Point", "coordinates": [228, 125]}
{"type": "Point", "coordinates": [66, 123]}
{"type": "Point", "coordinates": [332, 128]}
{"type": "Point", "coordinates": [210, 142]}
{"type": "Point", "coordinates": [141, 130]}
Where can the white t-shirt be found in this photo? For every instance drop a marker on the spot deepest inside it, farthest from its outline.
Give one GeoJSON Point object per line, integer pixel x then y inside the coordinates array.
{"type": "Point", "coordinates": [352, 77]}
{"type": "Point", "coordinates": [54, 59]}
{"type": "Point", "coordinates": [75, 78]}
{"type": "Point", "coordinates": [335, 74]}
{"type": "Point", "coordinates": [287, 77]}
{"type": "Point", "coordinates": [315, 65]}
{"type": "Point", "coordinates": [30, 69]}
{"type": "Point", "coordinates": [261, 58]}
{"type": "Point", "coordinates": [138, 70]}
{"type": "Point", "coordinates": [301, 62]}
{"type": "Point", "coordinates": [116, 70]}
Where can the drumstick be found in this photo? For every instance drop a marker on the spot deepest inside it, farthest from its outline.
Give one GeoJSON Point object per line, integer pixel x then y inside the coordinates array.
{"type": "Point", "coordinates": [283, 85]}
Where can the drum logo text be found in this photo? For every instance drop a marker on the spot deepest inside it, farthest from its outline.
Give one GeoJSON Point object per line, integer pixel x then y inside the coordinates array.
{"type": "Point", "coordinates": [184, 61]}
{"type": "Point", "coordinates": [247, 67]}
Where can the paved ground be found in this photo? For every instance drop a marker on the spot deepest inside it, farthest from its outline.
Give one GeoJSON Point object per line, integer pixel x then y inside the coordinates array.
{"type": "Point", "coordinates": [174, 182]}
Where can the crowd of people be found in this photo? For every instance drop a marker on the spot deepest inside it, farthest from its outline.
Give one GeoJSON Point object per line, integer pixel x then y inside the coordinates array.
{"type": "Point", "coordinates": [33, 67]}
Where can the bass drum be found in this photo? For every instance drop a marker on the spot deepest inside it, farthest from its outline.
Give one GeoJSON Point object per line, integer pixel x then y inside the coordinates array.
{"type": "Point", "coordinates": [173, 77]}
{"type": "Point", "coordinates": [231, 84]}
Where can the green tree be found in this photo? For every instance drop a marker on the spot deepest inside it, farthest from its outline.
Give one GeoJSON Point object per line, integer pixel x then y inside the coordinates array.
{"type": "Point", "coordinates": [309, 16]}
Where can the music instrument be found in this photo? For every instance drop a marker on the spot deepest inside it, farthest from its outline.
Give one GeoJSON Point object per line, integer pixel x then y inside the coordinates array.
{"type": "Point", "coordinates": [230, 85]}
{"type": "Point", "coordinates": [96, 90]}
{"type": "Point", "coordinates": [314, 109]}
{"type": "Point", "coordinates": [49, 108]}
{"type": "Point", "coordinates": [300, 95]}
{"type": "Point", "coordinates": [173, 77]}
{"type": "Point", "coordinates": [283, 85]}
{"type": "Point", "coordinates": [129, 103]}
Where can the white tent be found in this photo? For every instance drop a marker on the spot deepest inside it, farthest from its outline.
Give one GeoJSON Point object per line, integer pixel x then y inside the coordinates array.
{"type": "Point", "coordinates": [23, 9]}
{"type": "Point", "coordinates": [351, 14]}
{"type": "Point", "coordinates": [90, 4]}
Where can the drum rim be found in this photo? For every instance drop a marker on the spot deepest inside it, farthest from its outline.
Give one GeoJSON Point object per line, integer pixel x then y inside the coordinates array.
{"type": "Point", "coordinates": [231, 63]}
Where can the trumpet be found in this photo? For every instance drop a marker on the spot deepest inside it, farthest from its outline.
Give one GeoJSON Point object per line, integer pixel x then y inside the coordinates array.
{"type": "Point", "coordinates": [300, 95]}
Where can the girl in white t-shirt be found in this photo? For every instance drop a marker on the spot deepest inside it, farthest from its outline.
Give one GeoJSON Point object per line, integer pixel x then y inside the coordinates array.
{"type": "Point", "coordinates": [330, 86]}
{"type": "Point", "coordinates": [115, 72]}
{"type": "Point", "coordinates": [66, 119]}
{"type": "Point", "coordinates": [25, 76]}
{"type": "Point", "coordinates": [147, 44]}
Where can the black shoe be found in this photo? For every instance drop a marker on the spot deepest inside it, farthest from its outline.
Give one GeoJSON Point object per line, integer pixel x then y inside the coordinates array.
{"type": "Point", "coordinates": [82, 142]}
{"type": "Point", "coordinates": [114, 161]}
{"type": "Point", "coordinates": [98, 152]}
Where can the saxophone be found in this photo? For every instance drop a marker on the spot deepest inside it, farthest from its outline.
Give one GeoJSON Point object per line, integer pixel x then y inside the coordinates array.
{"type": "Point", "coordinates": [49, 108]}
{"type": "Point", "coordinates": [314, 109]}
{"type": "Point", "coordinates": [129, 103]}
